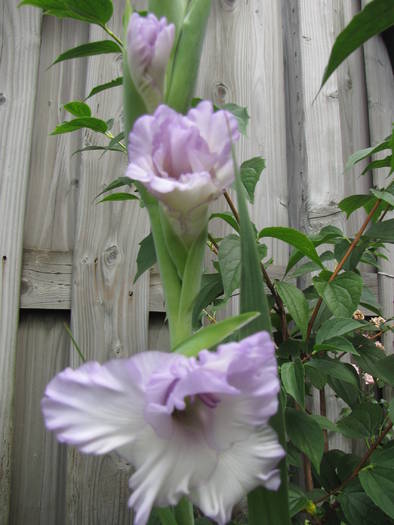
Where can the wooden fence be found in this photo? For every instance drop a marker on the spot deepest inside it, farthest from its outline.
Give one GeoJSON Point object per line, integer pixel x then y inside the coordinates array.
{"type": "Point", "coordinates": [65, 259]}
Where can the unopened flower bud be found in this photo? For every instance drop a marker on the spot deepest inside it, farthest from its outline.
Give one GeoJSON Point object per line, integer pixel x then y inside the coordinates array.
{"type": "Point", "coordinates": [149, 45]}
{"type": "Point", "coordinates": [378, 321]}
{"type": "Point", "coordinates": [358, 315]}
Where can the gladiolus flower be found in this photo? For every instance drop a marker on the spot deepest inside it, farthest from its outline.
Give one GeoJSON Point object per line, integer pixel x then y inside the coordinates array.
{"type": "Point", "coordinates": [149, 45]}
{"type": "Point", "coordinates": [185, 161]}
{"type": "Point", "coordinates": [189, 426]}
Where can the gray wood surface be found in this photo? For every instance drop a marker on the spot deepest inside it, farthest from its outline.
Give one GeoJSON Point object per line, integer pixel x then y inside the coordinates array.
{"type": "Point", "coordinates": [380, 88]}
{"type": "Point", "coordinates": [19, 53]}
{"type": "Point", "coordinates": [38, 465]}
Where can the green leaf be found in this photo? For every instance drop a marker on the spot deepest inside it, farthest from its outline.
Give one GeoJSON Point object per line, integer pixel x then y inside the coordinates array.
{"type": "Point", "coordinates": [335, 467]}
{"type": "Point", "coordinates": [108, 85]}
{"type": "Point", "coordinates": [226, 217]}
{"type": "Point", "coordinates": [342, 295]}
{"type": "Point", "coordinates": [293, 379]}
{"type": "Point", "coordinates": [335, 327]}
{"type": "Point", "coordinates": [353, 203]}
{"type": "Point", "coordinates": [117, 183]}
{"type": "Point", "coordinates": [363, 422]}
{"type": "Point", "coordinates": [377, 16]}
{"type": "Point", "coordinates": [146, 257]}
{"type": "Point", "coordinates": [367, 152]}
{"type": "Point", "coordinates": [334, 368]}
{"type": "Point", "coordinates": [230, 263]}
{"type": "Point", "coordinates": [86, 50]}
{"type": "Point", "coordinates": [78, 109]}
{"type": "Point", "coordinates": [391, 410]}
{"type": "Point", "coordinates": [99, 148]}
{"type": "Point", "coordinates": [336, 344]}
{"type": "Point", "coordinates": [95, 11]}
{"type": "Point", "coordinates": [369, 356]}
{"type": "Point", "coordinates": [358, 508]}
{"type": "Point", "coordinates": [385, 369]}
{"type": "Point", "coordinates": [211, 288]}
{"type": "Point", "coordinates": [78, 123]}
{"type": "Point", "coordinates": [368, 300]}
{"type": "Point", "coordinates": [213, 334]}
{"type": "Point", "coordinates": [119, 197]}
{"type": "Point", "coordinates": [241, 114]}
{"type": "Point", "coordinates": [384, 231]}
{"type": "Point", "coordinates": [324, 423]}
{"type": "Point", "coordinates": [306, 435]}
{"type": "Point", "coordinates": [250, 174]}
{"type": "Point", "coordinates": [297, 500]}
{"type": "Point", "coordinates": [378, 483]}
{"type": "Point", "coordinates": [296, 304]}
{"type": "Point", "coordinates": [346, 391]}
{"type": "Point", "coordinates": [384, 195]}
{"type": "Point", "coordinates": [165, 515]}
{"type": "Point", "coordinates": [296, 239]}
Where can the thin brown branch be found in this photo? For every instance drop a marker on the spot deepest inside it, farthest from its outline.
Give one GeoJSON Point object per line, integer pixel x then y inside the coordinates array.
{"type": "Point", "coordinates": [232, 206]}
{"type": "Point", "coordinates": [323, 412]}
{"type": "Point", "coordinates": [356, 471]}
{"type": "Point", "coordinates": [341, 264]}
{"type": "Point", "coordinates": [281, 309]}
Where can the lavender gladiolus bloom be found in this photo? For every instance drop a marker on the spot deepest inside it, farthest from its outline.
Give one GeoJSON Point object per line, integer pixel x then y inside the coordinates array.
{"type": "Point", "coordinates": [194, 427]}
{"type": "Point", "coordinates": [185, 161]}
{"type": "Point", "coordinates": [149, 45]}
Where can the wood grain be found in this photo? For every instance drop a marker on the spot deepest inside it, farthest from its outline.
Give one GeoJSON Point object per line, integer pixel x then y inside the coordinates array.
{"type": "Point", "coordinates": [380, 88]}
{"type": "Point", "coordinates": [19, 54]}
{"type": "Point", "coordinates": [109, 313]}
{"type": "Point", "coordinates": [38, 466]}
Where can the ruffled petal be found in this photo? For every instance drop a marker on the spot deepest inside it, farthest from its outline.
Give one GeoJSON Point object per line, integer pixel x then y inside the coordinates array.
{"type": "Point", "coordinates": [166, 469]}
{"type": "Point", "coordinates": [99, 408]}
{"type": "Point", "coordinates": [240, 469]}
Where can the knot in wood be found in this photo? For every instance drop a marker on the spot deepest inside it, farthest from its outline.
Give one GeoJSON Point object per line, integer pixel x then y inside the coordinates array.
{"type": "Point", "coordinates": [220, 95]}
{"type": "Point", "coordinates": [111, 255]}
{"type": "Point", "coordinates": [2, 99]}
{"type": "Point", "coordinates": [229, 5]}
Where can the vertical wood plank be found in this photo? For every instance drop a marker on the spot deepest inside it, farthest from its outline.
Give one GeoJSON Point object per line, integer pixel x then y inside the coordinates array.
{"type": "Point", "coordinates": [242, 62]}
{"type": "Point", "coordinates": [380, 87]}
{"type": "Point", "coordinates": [38, 464]}
{"type": "Point", "coordinates": [38, 479]}
{"type": "Point", "coordinates": [109, 313]}
{"type": "Point", "coordinates": [19, 52]}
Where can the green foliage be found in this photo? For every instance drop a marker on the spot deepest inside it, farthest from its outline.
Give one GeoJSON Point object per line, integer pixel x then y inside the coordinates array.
{"type": "Point", "coordinates": [305, 433]}
{"type": "Point", "coordinates": [76, 124]}
{"type": "Point", "coordinates": [214, 334]}
{"type": "Point", "coordinates": [293, 379]}
{"type": "Point", "coordinates": [92, 11]}
{"type": "Point", "coordinates": [87, 50]}
{"type": "Point", "coordinates": [296, 304]}
{"type": "Point", "coordinates": [377, 16]}
{"type": "Point", "coordinates": [108, 85]}
{"type": "Point", "coordinates": [250, 174]}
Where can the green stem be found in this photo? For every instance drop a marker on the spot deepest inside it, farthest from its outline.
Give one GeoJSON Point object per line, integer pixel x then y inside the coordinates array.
{"type": "Point", "coordinates": [112, 35]}
{"type": "Point", "coordinates": [184, 512]}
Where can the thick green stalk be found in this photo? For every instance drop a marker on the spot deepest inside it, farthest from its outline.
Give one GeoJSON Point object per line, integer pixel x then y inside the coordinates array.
{"type": "Point", "coordinates": [184, 512]}
{"type": "Point", "coordinates": [191, 284]}
{"type": "Point", "coordinates": [265, 507]}
{"type": "Point", "coordinates": [187, 55]}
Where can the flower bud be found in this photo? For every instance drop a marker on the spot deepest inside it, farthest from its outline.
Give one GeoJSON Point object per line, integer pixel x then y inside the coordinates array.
{"type": "Point", "coordinates": [184, 161]}
{"type": "Point", "coordinates": [149, 45]}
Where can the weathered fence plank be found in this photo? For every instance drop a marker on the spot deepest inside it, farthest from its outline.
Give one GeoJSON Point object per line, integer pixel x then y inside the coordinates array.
{"type": "Point", "coordinates": [19, 53]}
{"type": "Point", "coordinates": [39, 462]}
{"type": "Point", "coordinates": [109, 312]}
{"type": "Point", "coordinates": [38, 489]}
{"type": "Point", "coordinates": [380, 87]}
